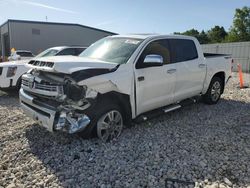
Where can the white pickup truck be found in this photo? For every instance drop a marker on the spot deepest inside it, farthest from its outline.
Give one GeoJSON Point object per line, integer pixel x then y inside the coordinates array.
{"type": "Point", "coordinates": [119, 79]}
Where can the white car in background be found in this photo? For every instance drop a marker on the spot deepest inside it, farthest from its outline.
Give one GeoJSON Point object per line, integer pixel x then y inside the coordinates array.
{"type": "Point", "coordinates": [20, 55]}
{"type": "Point", "coordinates": [11, 72]}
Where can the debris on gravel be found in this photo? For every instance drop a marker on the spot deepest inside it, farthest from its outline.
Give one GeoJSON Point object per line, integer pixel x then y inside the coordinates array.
{"type": "Point", "coordinates": [196, 146]}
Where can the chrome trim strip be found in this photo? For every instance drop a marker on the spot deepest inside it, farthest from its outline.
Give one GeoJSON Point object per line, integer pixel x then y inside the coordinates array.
{"type": "Point", "coordinates": [41, 92]}
{"type": "Point", "coordinates": [29, 84]}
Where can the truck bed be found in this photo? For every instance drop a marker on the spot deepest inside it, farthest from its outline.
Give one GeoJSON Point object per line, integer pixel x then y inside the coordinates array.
{"type": "Point", "coordinates": [211, 55]}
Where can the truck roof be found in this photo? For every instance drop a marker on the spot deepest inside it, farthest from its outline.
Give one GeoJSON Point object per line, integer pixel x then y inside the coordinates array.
{"type": "Point", "coordinates": [147, 36]}
{"type": "Point", "coordinates": [64, 47]}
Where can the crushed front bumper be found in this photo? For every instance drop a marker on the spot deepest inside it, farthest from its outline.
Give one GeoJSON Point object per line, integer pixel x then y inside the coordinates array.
{"type": "Point", "coordinates": [44, 116]}
{"type": "Point", "coordinates": [50, 117]}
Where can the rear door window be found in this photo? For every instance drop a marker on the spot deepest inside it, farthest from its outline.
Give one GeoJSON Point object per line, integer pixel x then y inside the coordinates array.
{"type": "Point", "coordinates": [182, 50]}
{"type": "Point", "coordinates": [68, 51]}
{"type": "Point", "coordinates": [78, 51]}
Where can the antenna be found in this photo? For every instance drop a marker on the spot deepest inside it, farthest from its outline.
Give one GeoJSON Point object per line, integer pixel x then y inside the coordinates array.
{"type": "Point", "coordinates": [46, 18]}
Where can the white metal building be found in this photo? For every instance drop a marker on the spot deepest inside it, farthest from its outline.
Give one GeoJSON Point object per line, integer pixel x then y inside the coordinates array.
{"type": "Point", "coordinates": [240, 51]}
{"type": "Point", "coordinates": [38, 36]}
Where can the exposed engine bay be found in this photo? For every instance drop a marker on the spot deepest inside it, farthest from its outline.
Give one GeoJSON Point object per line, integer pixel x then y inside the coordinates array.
{"type": "Point", "coordinates": [62, 93]}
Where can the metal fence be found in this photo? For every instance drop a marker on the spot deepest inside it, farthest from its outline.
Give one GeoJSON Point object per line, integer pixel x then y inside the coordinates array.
{"type": "Point", "coordinates": [240, 52]}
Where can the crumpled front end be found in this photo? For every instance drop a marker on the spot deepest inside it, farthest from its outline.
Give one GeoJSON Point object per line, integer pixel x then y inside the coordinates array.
{"type": "Point", "coordinates": [56, 101]}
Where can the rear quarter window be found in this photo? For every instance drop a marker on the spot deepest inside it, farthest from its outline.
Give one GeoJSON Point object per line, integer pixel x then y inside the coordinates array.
{"type": "Point", "coordinates": [182, 50]}
{"type": "Point", "coordinates": [68, 51]}
{"type": "Point", "coordinates": [78, 51]}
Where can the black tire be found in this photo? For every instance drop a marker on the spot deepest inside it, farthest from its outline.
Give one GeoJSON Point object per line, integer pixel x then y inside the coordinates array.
{"type": "Point", "coordinates": [95, 113]}
{"type": "Point", "coordinates": [213, 94]}
{"type": "Point", "coordinates": [18, 84]}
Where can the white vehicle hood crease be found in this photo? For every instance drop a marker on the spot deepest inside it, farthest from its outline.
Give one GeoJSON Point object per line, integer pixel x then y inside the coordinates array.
{"type": "Point", "coordinates": [70, 64]}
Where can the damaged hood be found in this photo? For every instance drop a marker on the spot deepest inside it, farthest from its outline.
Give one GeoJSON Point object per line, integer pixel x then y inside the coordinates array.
{"type": "Point", "coordinates": [68, 64]}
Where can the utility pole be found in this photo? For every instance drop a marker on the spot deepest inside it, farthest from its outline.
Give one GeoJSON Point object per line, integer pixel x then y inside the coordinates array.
{"type": "Point", "coordinates": [46, 18]}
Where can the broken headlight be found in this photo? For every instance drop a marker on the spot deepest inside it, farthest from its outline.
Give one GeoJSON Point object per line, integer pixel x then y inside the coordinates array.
{"type": "Point", "coordinates": [75, 92]}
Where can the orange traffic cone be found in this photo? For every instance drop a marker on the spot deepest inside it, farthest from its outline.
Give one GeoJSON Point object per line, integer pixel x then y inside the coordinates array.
{"type": "Point", "coordinates": [240, 76]}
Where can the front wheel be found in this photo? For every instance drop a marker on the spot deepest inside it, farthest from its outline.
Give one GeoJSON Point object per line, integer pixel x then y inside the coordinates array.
{"type": "Point", "coordinates": [214, 91]}
{"type": "Point", "coordinates": [110, 125]}
{"type": "Point", "coordinates": [106, 121]}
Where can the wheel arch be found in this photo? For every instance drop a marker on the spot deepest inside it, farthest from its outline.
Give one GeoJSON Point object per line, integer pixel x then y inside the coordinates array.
{"type": "Point", "coordinates": [122, 100]}
{"type": "Point", "coordinates": [19, 82]}
{"type": "Point", "coordinates": [222, 76]}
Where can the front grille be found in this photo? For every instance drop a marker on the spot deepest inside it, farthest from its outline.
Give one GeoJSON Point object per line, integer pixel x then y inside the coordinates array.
{"type": "Point", "coordinates": [44, 87]}
{"type": "Point", "coordinates": [41, 63]}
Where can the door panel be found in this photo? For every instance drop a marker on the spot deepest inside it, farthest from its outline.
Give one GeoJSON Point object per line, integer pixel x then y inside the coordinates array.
{"type": "Point", "coordinates": [156, 90]}
{"type": "Point", "coordinates": [190, 71]}
{"type": "Point", "coordinates": [154, 84]}
{"type": "Point", "coordinates": [190, 78]}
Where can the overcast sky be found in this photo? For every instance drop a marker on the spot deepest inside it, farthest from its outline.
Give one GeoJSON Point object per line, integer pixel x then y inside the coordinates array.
{"type": "Point", "coordinates": [127, 16]}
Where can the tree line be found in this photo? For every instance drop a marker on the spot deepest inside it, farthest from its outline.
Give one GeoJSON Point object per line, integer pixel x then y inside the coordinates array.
{"type": "Point", "coordinates": [238, 32]}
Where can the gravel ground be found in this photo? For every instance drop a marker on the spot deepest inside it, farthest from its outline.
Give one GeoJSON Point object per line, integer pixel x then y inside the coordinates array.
{"type": "Point", "coordinates": [198, 145]}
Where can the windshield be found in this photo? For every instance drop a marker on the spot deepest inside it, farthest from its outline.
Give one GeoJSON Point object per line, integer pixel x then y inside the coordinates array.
{"type": "Point", "coordinates": [115, 50]}
{"type": "Point", "coordinates": [47, 53]}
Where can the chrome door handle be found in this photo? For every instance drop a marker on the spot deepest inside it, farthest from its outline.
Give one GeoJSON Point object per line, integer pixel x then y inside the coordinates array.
{"type": "Point", "coordinates": [202, 65]}
{"type": "Point", "coordinates": [171, 71]}
{"type": "Point", "coordinates": [140, 78]}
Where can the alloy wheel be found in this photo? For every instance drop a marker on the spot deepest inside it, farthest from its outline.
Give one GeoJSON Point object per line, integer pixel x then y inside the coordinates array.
{"type": "Point", "coordinates": [110, 125]}
{"type": "Point", "coordinates": [216, 91]}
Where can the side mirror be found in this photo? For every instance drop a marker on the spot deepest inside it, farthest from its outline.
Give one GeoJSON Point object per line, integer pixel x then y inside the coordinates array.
{"type": "Point", "coordinates": [154, 59]}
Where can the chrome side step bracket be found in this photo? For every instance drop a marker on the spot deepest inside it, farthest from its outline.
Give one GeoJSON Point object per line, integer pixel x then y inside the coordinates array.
{"type": "Point", "coordinates": [158, 112]}
{"type": "Point", "coordinates": [172, 108]}
{"type": "Point", "coordinates": [154, 113]}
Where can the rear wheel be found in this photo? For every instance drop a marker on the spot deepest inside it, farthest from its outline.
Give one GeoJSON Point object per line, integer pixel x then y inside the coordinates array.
{"type": "Point", "coordinates": [214, 91]}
